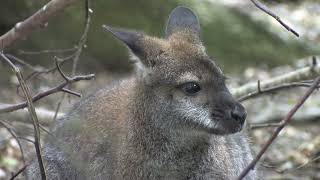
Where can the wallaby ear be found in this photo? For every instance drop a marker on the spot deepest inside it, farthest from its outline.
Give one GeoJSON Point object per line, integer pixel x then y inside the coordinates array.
{"type": "Point", "coordinates": [182, 18]}
{"type": "Point", "coordinates": [130, 38]}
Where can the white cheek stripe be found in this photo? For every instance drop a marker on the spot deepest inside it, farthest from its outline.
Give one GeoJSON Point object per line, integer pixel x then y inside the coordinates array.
{"type": "Point", "coordinates": [200, 115]}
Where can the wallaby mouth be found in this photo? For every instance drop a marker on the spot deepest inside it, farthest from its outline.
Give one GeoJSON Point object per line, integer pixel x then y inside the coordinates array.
{"type": "Point", "coordinates": [225, 128]}
{"type": "Point", "coordinates": [228, 121]}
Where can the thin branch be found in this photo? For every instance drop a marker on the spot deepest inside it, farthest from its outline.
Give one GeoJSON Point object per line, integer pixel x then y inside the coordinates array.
{"type": "Point", "coordinates": [272, 14]}
{"type": "Point", "coordinates": [58, 107]}
{"type": "Point", "coordinates": [259, 86]}
{"type": "Point", "coordinates": [32, 113]}
{"type": "Point", "coordinates": [65, 77]}
{"type": "Point", "coordinates": [68, 80]}
{"type": "Point", "coordinates": [47, 51]}
{"type": "Point", "coordinates": [44, 129]}
{"type": "Point", "coordinates": [26, 139]}
{"type": "Point", "coordinates": [263, 125]}
{"type": "Point", "coordinates": [14, 135]}
{"type": "Point", "coordinates": [36, 21]}
{"type": "Point", "coordinates": [19, 172]}
{"type": "Point", "coordinates": [83, 38]}
{"type": "Point", "coordinates": [284, 122]}
{"type": "Point", "coordinates": [71, 92]}
{"type": "Point", "coordinates": [260, 91]}
{"type": "Point", "coordinates": [12, 107]}
{"type": "Point", "coordinates": [39, 70]}
{"type": "Point", "coordinates": [302, 165]}
{"type": "Point", "coordinates": [81, 45]}
{"type": "Point", "coordinates": [299, 75]}
{"type": "Point", "coordinates": [22, 62]}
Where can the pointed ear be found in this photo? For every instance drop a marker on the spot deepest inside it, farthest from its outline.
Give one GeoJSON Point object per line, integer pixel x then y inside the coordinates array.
{"type": "Point", "coordinates": [182, 18]}
{"type": "Point", "coordinates": [130, 38]}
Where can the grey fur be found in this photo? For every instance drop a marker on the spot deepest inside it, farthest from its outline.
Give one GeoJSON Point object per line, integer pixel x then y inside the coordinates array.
{"type": "Point", "coordinates": [145, 127]}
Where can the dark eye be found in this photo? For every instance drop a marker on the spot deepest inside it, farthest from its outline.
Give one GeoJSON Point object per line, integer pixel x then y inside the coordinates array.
{"type": "Point", "coordinates": [190, 88]}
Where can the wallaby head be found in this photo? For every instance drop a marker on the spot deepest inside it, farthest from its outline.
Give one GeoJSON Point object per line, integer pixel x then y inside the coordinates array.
{"type": "Point", "coordinates": [181, 82]}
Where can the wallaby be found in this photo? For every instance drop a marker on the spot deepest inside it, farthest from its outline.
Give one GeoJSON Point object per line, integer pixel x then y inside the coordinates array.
{"type": "Point", "coordinates": [174, 118]}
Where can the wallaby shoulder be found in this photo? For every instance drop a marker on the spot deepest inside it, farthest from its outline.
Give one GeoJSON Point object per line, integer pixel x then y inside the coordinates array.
{"type": "Point", "coordinates": [87, 141]}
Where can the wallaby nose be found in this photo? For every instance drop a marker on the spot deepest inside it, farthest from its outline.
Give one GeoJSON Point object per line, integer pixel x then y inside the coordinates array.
{"type": "Point", "coordinates": [239, 113]}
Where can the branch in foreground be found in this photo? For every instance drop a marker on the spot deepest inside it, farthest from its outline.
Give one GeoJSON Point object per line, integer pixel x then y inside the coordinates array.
{"type": "Point", "coordinates": [302, 165]}
{"type": "Point", "coordinates": [260, 91]}
{"type": "Point", "coordinates": [19, 172]}
{"type": "Point", "coordinates": [32, 113]}
{"type": "Point", "coordinates": [299, 75]}
{"type": "Point", "coordinates": [37, 20]}
{"type": "Point", "coordinates": [263, 125]}
{"type": "Point", "coordinates": [47, 51]}
{"type": "Point", "coordinates": [83, 38]}
{"type": "Point", "coordinates": [14, 135]}
{"type": "Point", "coordinates": [283, 123]}
{"type": "Point", "coordinates": [266, 10]}
{"type": "Point", "coordinates": [12, 107]}
{"type": "Point", "coordinates": [68, 80]}
{"type": "Point", "coordinates": [38, 70]}
{"type": "Point", "coordinates": [45, 115]}
{"type": "Point", "coordinates": [81, 44]}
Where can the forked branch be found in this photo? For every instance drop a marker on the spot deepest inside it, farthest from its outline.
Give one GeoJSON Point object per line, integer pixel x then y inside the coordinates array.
{"type": "Point", "coordinates": [292, 79]}
{"type": "Point", "coordinates": [282, 124]}
{"type": "Point", "coordinates": [276, 88]}
{"type": "Point", "coordinates": [32, 113]}
{"type": "Point", "coordinates": [61, 87]}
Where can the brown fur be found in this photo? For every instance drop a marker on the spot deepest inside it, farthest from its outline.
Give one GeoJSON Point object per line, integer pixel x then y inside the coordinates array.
{"type": "Point", "coordinates": [146, 126]}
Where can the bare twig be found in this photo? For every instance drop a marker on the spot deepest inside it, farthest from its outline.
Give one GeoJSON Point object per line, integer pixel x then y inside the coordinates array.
{"type": "Point", "coordinates": [65, 77]}
{"type": "Point", "coordinates": [299, 75]}
{"type": "Point", "coordinates": [302, 165]}
{"type": "Point", "coordinates": [36, 71]}
{"type": "Point", "coordinates": [37, 20]}
{"type": "Point", "coordinates": [314, 61]}
{"type": "Point", "coordinates": [58, 106]}
{"type": "Point", "coordinates": [83, 38]}
{"type": "Point", "coordinates": [260, 91]}
{"type": "Point", "coordinates": [58, 88]}
{"type": "Point", "coordinates": [26, 139]}
{"type": "Point", "coordinates": [47, 51]}
{"type": "Point", "coordinates": [269, 12]}
{"type": "Point", "coordinates": [19, 172]}
{"type": "Point", "coordinates": [44, 115]}
{"type": "Point", "coordinates": [22, 62]}
{"type": "Point", "coordinates": [32, 113]}
{"type": "Point", "coordinates": [81, 45]}
{"type": "Point", "coordinates": [259, 86]}
{"type": "Point", "coordinates": [44, 129]}
{"type": "Point", "coordinates": [263, 125]}
{"type": "Point", "coordinates": [71, 92]}
{"type": "Point", "coordinates": [14, 135]}
{"type": "Point", "coordinates": [284, 122]}
{"type": "Point", "coordinates": [61, 87]}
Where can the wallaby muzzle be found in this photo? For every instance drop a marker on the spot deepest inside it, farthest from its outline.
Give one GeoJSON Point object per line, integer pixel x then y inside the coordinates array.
{"type": "Point", "coordinates": [228, 114]}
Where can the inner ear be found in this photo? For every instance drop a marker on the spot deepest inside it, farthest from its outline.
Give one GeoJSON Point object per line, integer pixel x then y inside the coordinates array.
{"type": "Point", "coordinates": [182, 19]}
{"type": "Point", "coordinates": [143, 48]}
{"type": "Point", "coordinates": [130, 38]}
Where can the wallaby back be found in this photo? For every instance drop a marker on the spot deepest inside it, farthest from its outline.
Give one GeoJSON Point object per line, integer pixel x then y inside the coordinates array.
{"type": "Point", "coordinates": [173, 118]}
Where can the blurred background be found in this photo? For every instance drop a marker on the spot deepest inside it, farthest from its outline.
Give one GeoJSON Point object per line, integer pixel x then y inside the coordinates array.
{"type": "Point", "coordinates": [246, 43]}
{"type": "Point", "coordinates": [235, 33]}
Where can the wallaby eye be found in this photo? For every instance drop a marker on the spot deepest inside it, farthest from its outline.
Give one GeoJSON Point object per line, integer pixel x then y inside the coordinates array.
{"type": "Point", "coordinates": [190, 88]}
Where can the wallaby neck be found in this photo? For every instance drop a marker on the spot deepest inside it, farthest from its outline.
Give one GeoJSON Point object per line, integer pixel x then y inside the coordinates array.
{"type": "Point", "coordinates": [159, 150]}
